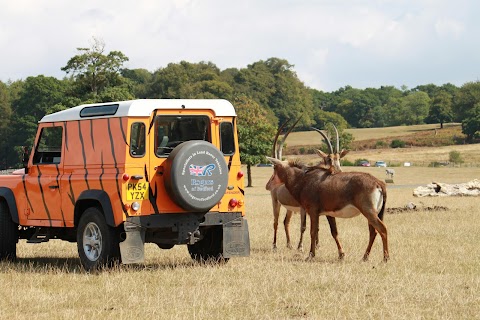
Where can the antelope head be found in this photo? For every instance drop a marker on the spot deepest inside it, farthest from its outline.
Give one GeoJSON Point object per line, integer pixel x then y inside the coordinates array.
{"type": "Point", "coordinates": [331, 160]}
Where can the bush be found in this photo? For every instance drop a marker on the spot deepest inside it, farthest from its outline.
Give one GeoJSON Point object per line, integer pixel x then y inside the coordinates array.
{"type": "Point", "coordinates": [302, 150]}
{"type": "Point", "coordinates": [346, 163]}
{"type": "Point", "coordinates": [357, 162]}
{"type": "Point", "coordinates": [380, 144]}
{"type": "Point", "coordinates": [397, 143]}
{"type": "Point", "coordinates": [455, 157]}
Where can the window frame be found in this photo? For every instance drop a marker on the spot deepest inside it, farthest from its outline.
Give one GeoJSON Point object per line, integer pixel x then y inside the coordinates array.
{"type": "Point", "coordinates": [139, 133]}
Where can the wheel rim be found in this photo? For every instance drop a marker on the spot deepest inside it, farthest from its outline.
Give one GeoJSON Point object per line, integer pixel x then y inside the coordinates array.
{"type": "Point", "coordinates": [92, 241]}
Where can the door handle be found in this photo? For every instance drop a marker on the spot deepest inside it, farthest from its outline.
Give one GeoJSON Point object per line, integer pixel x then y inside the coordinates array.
{"type": "Point", "coordinates": [54, 187]}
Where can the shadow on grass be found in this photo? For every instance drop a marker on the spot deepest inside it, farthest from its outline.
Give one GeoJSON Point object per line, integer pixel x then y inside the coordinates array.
{"type": "Point", "coordinates": [73, 265]}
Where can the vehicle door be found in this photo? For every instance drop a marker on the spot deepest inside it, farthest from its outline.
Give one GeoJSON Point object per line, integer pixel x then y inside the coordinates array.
{"type": "Point", "coordinates": [41, 182]}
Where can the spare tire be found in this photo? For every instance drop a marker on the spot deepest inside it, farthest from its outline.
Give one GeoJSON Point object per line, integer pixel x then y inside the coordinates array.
{"type": "Point", "coordinates": [196, 175]}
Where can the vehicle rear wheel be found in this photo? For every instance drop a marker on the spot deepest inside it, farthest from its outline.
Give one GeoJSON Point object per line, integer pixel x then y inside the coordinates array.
{"type": "Point", "coordinates": [8, 234]}
{"type": "Point", "coordinates": [210, 248]}
{"type": "Point", "coordinates": [97, 243]}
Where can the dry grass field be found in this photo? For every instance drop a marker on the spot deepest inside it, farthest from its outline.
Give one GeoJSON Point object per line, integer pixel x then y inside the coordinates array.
{"type": "Point", "coordinates": [434, 271]}
{"type": "Point", "coordinates": [364, 145]}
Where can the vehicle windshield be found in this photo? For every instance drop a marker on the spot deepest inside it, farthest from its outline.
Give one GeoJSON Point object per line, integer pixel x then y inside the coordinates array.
{"type": "Point", "coordinates": [170, 131]}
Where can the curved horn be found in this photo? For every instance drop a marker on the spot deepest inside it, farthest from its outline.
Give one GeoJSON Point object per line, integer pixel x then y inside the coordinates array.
{"type": "Point", "coordinates": [326, 139]}
{"type": "Point", "coordinates": [274, 155]}
{"type": "Point", "coordinates": [338, 140]}
{"type": "Point", "coordinates": [290, 129]}
{"type": "Point", "coordinates": [280, 144]}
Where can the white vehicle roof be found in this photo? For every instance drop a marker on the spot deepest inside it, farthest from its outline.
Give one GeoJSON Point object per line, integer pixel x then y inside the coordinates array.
{"type": "Point", "coordinates": [144, 108]}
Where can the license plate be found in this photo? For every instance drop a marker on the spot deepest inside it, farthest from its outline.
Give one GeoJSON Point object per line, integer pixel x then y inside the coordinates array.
{"type": "Point", "coordinates": [137, 191]}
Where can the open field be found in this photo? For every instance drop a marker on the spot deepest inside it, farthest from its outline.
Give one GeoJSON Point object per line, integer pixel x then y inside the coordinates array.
{"type": "Point", "coordinates": [434, 271]}
{"type": "Point", "coordinates": [417, 155]}
{"type": "Point", "coordinates": [305, 137]}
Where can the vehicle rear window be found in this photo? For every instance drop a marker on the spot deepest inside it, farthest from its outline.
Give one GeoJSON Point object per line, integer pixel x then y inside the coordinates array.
{"type": "Point", "coordinates": [170, 131]}
{"type": "Point", "coordinates": [226, 138]}
{"type": "Point", "coordinates": [137, 139]}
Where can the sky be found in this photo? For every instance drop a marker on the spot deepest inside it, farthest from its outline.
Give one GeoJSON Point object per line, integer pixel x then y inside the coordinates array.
{"type": "Point", "coordinates": [330, 43]}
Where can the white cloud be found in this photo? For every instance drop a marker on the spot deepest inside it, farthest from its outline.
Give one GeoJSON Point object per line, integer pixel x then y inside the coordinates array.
{"type": "Point", "coordinates": [331, 43]}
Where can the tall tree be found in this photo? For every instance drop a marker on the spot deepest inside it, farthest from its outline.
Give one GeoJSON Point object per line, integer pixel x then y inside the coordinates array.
{"type": "Point", "coordinates": [255, 133]}
{"type": "Point", "coordinates": [465, 99]}
{"type": "Point", "coordinates": [416, 106]}
{"type": "Point", "coordinates": [471, 123]}
{"type": "Point", "coordinates": [189, 81]}
{"type": "Point", "coordinates": [274, 84]}
{"type": "Point", "coordinates": [93, 71]}
{"type": "Point", "coordinates": [441, 108]}
{"type": "Point", "coordinates": [5, 114]}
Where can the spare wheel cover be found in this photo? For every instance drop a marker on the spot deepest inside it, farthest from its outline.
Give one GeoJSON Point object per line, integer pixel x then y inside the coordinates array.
{"type": "Point", "coordinates": [196, 176]}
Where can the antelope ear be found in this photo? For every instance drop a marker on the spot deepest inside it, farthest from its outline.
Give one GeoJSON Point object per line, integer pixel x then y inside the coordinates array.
{"type": "Point", "coordinates": [321, 153]}
{"type": "Point", "coordinates": [274, 161]}
{"type": "Point", "coordinates": [344, 153]}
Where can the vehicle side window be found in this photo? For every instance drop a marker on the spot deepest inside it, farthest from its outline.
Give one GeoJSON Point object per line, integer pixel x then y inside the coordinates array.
{"type": "Point", "coordinates": [226, 138]}
{"type": "Point", "coordinates": [49, 147]}
{"type": "Point", "coordinates": [137, 139]}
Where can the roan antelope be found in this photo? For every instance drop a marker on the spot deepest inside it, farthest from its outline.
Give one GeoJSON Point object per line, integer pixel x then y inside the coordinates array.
{"type": "Point", "coordinates": [340, 195]}
{"type": "Point", "coordinates": [281, 196]}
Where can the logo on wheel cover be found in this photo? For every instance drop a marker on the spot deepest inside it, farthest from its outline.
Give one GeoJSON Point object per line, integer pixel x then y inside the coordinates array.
{"type": "Point", "coordinates": [201, 171]}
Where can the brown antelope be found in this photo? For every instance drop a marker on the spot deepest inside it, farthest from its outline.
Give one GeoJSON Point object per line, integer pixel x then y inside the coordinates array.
{"type": "Point", "coordinates": [341, 195]}
{"type": "Point", "coordinates": [281, 196]}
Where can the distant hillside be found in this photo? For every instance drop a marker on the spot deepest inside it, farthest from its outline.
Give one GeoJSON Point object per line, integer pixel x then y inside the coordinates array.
{"type": "Point", "coordinates": [423, 145]}
{"type": "Point", "coordinates": [428, 135]}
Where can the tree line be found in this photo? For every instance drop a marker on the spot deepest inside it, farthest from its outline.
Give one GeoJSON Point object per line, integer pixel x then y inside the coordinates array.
{"type": "Point", "coordinates": [265, 93]}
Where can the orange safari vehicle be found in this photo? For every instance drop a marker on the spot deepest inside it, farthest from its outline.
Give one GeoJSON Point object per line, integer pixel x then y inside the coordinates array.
{"type": "Point", "coordinates": [113, 176]}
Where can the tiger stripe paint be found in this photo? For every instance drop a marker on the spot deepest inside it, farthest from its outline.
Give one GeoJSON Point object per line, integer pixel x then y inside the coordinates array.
{"type": "Point", "coordinates": [95, 154]}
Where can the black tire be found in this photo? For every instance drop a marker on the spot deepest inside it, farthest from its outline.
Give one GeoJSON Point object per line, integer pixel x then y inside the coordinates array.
{"type": "Point", "coordinates": [197, 175]}
{"type": "Point", "coordinates": [8, 234]}
{"type": "Point", "coordinates": [210, 248]}
{"type": "Point", "coordinates": [97, 243]}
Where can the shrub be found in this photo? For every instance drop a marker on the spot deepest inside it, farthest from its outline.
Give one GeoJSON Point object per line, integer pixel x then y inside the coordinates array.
{"type": "Point", "coordinates": [455, 157]}
{"type": "Point", "coordinates": [357, 162]}
{"type": "Point", "coordinates": [380, 144]}
{"type": "Point", "coordinates": [302, 150]}
{"type": "Point", "coordinates": [346, 163]}
{"type": "Point", "coordinates": [397, 143]}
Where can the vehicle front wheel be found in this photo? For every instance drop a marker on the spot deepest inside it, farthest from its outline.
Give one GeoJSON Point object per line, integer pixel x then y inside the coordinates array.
{"type": "Point", "coordinates": [97, 243]}
{"type": "Point", "coordinates": [8, 234]}
{"type": "Point", "coordinates": [210, 248]}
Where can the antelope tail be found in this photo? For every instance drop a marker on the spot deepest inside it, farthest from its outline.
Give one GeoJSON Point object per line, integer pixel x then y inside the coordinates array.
{"type": "Point", "coordinates": [384, 195]}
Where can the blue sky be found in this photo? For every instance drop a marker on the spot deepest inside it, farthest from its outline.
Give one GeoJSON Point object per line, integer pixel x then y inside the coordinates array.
{"type": "Point", "coordinates": [331, 43]}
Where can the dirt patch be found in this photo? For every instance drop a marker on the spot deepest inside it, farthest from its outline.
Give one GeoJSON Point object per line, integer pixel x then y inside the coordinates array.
{"type": "Point", "coordinates": [414, 208]}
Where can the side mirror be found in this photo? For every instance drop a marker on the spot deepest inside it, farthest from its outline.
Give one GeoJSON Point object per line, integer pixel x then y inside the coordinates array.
{"type": "Point", "coordinates": [25, 157]}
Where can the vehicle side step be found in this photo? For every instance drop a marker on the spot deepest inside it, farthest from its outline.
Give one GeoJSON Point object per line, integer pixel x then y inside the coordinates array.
{"type": "Point", "coordinates": [40, 236]}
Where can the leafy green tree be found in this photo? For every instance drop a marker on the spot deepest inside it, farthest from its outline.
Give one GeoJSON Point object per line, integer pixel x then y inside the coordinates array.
{"type": "Point", "coordinates": [255, 133]}
{"type": "Point", "coordinates": [441, 108]}
{"type": "Point", "coordinates": [416, 106]}
{"type": "Point", "coordinates": [357, 107]}
{"type": "Point", "coordinates": [465, 99]}
{"type": "Point", "coordinates": [189, 81]}
{"type": "Point", "coordinates": [5, 114]}
{"type": "Point", "coordinates": [471, 123]}
{"type": "Point", "coordinates": [139, 80]}
{"type": "Point", "coordinates": [93, 71]}
{"type": "Point", "coordinates": [38, 96]}
{"type": "Point", "coordinates": [274, 84]}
